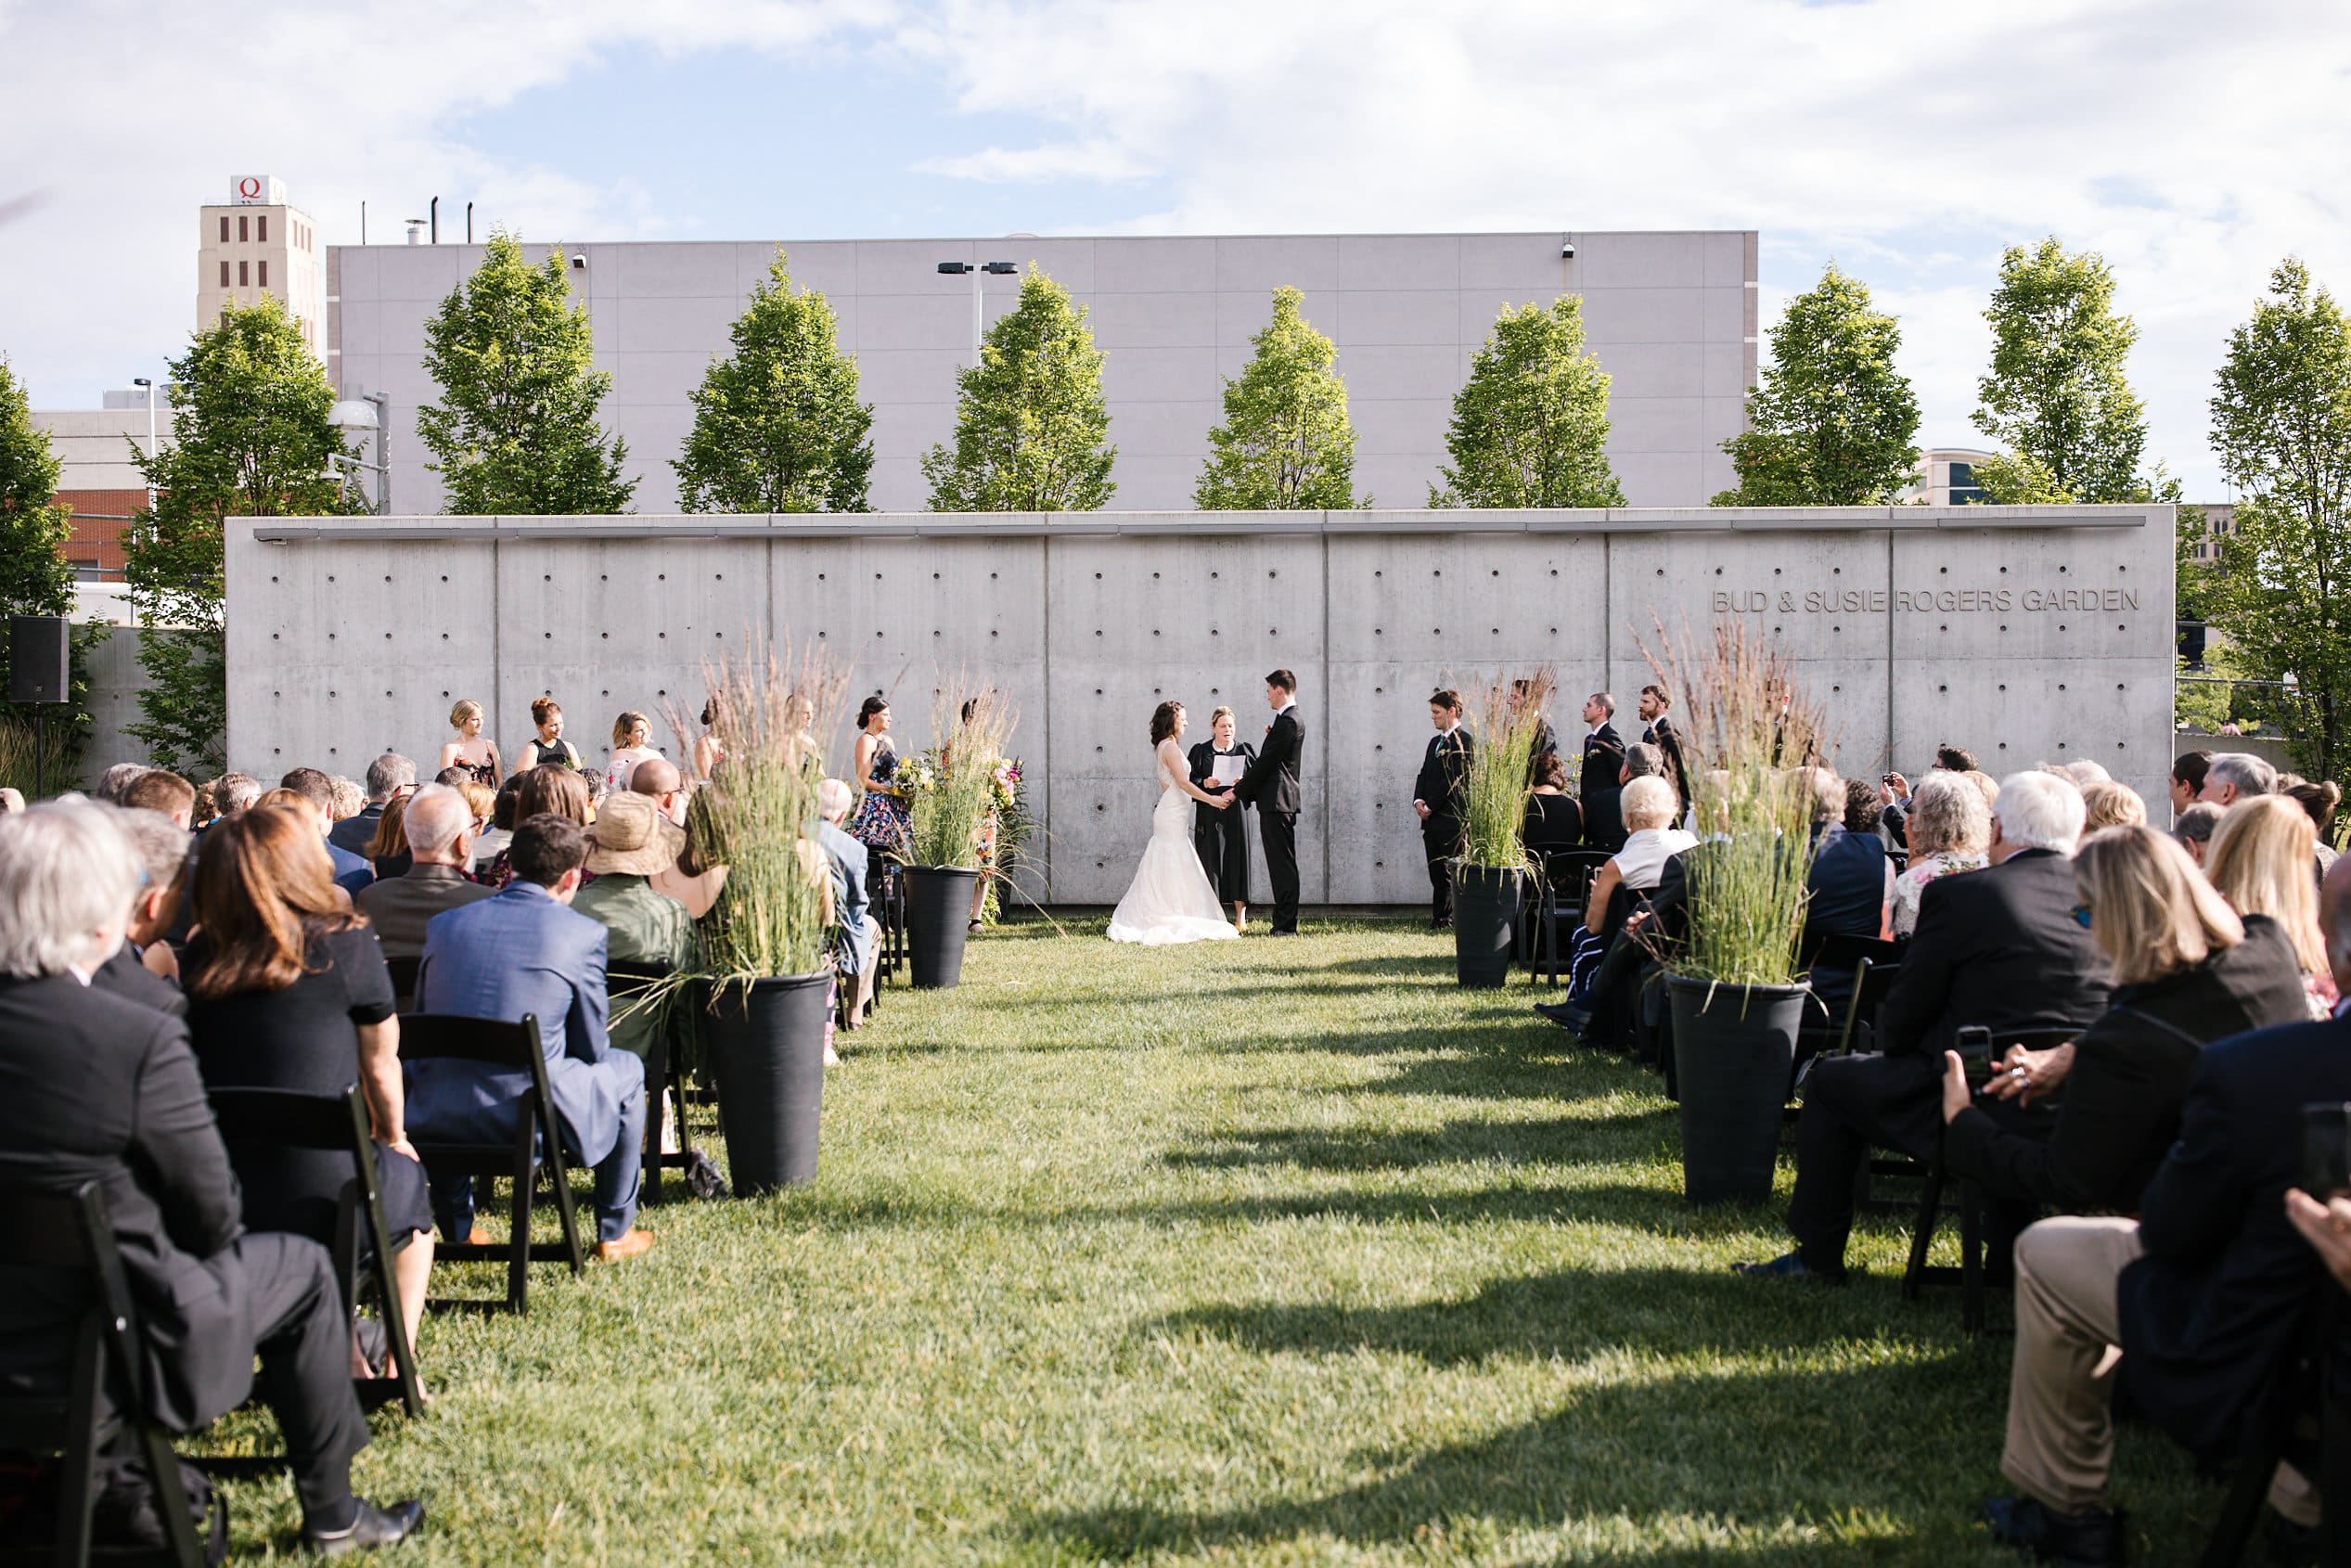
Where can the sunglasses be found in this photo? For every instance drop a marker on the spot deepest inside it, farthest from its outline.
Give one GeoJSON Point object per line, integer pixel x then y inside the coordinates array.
{"type": "Point", "coordinates": [2081, 915]}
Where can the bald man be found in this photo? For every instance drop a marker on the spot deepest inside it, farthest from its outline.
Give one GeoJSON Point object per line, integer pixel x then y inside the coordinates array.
{"type": "Point", "coordinates": [440, 828]}
{"type": "Point", "coordinates": [659, 777]}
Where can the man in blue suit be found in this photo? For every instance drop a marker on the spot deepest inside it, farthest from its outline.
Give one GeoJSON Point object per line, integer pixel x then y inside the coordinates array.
{"type": "Point", "coordinates": [525, 952]}
{"type": "Point", "coordinates": [351, 871]}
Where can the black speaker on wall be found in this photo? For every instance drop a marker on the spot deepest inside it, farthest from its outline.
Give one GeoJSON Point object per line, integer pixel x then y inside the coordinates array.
{"type": "Point", "coordinates": [40, 657]}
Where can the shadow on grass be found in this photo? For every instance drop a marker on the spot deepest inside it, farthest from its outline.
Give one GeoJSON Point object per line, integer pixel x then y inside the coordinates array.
{"type": "Point", "coordinates": [1671, 1461]}
{"type": "Point", "coordinates": [1622, 1204]}
{"type": "Point", "coordinates": [1558, 1138]}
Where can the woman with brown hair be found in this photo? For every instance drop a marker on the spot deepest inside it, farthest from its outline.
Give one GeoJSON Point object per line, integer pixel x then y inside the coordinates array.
{"type": "Point", "coordinates": [546, 747]}
{"type": "Point", "coordinates": [632, 743]}
{"type": "Point", "coordinates": [2188, 971]}
{"type": "Point", "coordinates": [548, 786]}
{"type": "Point", "coordinates": [387, 851]}
{"type": "Point", "coordinates": [287, 990]}
{"type": "Point", "coordinates": [2259, 860]}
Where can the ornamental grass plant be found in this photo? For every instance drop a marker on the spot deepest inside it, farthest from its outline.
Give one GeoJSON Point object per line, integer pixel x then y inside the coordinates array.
{"type": "Point", "coordinates": [1749, 732]}
{"type": "Point", "coordinates": [1506, 719]}
{"type": "Point", "coordinates": [953, 785]}
{"type": "Point", "coordinates": [758, 815]}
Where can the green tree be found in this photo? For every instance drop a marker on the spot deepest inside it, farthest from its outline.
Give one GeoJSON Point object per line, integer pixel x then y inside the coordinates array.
{"type": "Point", "coordinates": [35, 576]}
{"type": "Point", "coordinates": [778, 428]}
{"type": "Point", "coordinates": [1031, 433]}
{"type": "Point", "coordinates": [2281, 431]}
{"type": "Point", "coordinates": [2057, 397]}
{"type": "Point", "coordinates": [1286, 442]}
{"type": "Point", "coordinates": [1833, 423]}
{"type": "Point", "coordinates": [516, 430]}
{"type": "Point", "coordinates": [1530, 425]}
{"type": "Point", "coordinates": [250, 438]}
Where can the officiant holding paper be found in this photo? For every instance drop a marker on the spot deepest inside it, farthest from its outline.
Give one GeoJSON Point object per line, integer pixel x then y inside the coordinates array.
{"type": "Point", "coordinates": [1222, 837]}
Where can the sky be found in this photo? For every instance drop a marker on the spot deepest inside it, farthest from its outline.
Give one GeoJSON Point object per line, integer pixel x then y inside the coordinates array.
{"type": "Point", "coordinates": [2193, 144]}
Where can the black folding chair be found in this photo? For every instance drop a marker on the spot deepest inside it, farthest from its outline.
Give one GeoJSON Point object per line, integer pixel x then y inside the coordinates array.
{"type": "Point", "coordinates": [512, 1048]}
{"type": "Point", "coordinates": [1567, 883]}
{"type": "Point", "coordinates": [256, 1122]}
{"type": "Point", "coordinates": [403, 981]}
{"type": "Point", "coordinates": [104, 1382]}
{"type": "Point", "coordinates": [664, 1075]}
{"type": "Point", "coordinates": [1935, 1178]}
{"type": "Point", "coordinates": [2309, 1395]}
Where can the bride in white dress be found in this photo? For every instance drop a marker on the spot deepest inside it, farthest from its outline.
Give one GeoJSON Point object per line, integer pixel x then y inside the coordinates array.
{"type": "Point", "coordinates": [1171, 899]}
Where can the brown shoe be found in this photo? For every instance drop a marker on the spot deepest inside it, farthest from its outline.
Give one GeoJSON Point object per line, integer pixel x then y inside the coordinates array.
{"type": "Point", "coordinates": [636, 1243]}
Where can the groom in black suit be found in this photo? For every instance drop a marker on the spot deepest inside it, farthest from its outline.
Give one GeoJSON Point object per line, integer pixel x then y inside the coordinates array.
{"type": "Point", "coordinates": [1603, 761]}
{"type": "Point", "coordinates": [1271, 784]}
{"type": "Point", "coordinates": [1437, 796]}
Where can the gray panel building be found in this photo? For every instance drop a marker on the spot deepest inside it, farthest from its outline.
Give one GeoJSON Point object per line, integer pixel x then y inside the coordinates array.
{"type": "Point", "coordinates": [1671, 314]}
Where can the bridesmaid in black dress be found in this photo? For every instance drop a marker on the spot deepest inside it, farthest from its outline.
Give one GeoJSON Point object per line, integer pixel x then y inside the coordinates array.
{"type": "Point", "coordinates": [1222, 837]}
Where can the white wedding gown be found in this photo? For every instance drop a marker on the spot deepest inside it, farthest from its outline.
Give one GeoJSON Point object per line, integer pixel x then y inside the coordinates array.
{"type": "Point", "coordinates": [1171, 899]}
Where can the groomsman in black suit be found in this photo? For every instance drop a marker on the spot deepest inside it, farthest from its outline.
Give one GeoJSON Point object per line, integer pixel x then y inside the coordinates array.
{"type": "Point", "coordinates": [1436, 797]}
{"type": "Point", "coordinates": [1655, 703]}
{"type": "Point", "coordinates": [1604, 760]}
{"type": "Point", "coordinates": [1271, 784]}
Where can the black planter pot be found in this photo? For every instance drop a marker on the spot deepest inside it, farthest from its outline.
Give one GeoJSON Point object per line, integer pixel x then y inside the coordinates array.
{"type": "Point", "coordinates": [1485, 917]}
{"type": "Point", "coordinates": [938, 917]}
{"type": "Point", "coordinates": [1734, 1050]}
{"type": "Point", "coordinates": [766, 1043]}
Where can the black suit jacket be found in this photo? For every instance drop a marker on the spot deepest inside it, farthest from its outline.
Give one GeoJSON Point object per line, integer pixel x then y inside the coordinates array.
{"type": "Point", "coordinates": [2220, 1295]}
{"type": "Point", "coordinates": [1604, 760]}
{"type": "Point", "coordinates": [1997, 947]}
{"type": "Point", "coordinates": [125, 976]}
{"type": "Point", "coordinates": [94, 1088]}
{"type": "Point", "coordinates": [1444, 771]}
{"type": "Point", "coordinates": [1661, 734]}
{"type": "Point", "coordinates": [1271, 783]}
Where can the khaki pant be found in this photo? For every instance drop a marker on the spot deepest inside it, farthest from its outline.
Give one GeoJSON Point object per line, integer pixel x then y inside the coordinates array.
{"type": "Point", "coordinates": [2061, 1431]}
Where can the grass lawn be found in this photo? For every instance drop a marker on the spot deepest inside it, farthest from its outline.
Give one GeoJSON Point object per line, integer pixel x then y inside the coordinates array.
{"type": "Point", "coordinates": [1250, 1253]}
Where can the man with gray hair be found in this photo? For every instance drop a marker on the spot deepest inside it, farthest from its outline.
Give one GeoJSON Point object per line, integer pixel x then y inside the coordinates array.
{"type": "Point", "coordinates": [145, 970]}
{"type": "Point", "coordinates": [440, 828]}
{"type": "Point", "coordinates": [233, 793]}
{"type": "Point", "coordinates": [2231, 777]}
{"type": "Point", "coordinates": [388, 775]}
{"type": "Point", "coordinates": [115, 779]}
{"type": "Point", "coordinates": [859, 935]}
{"type": "Point", "coordinates": [97, 1088]}
{"type": "Point", "coordinates": [1997, 947]}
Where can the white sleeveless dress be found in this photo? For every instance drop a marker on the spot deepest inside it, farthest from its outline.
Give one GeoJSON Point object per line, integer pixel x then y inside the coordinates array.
{"type": "Point", "coordinates": [1171, 899]}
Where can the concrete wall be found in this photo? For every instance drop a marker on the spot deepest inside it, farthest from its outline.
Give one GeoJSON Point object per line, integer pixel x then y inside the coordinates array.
{"type": "Point", "coordinates": [1671, 315]}
{"type": "Point", "coordinates": [2027, 634]}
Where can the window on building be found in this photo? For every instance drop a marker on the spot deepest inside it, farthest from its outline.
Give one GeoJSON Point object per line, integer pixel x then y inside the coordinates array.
{"type": "Point", "coordinates": [1965, 492]}
{"type": "Point", "coordinates": [224, 228]}
{"type": "Point", "coordinates": [224, 275]}
{"type": "Point", "coordinates": [261, 226]}
{"type": "Point", "coordinates": [265, 272]}
{"type": "Point", "coordinates": [85, 570]}
{"type": "Point", "coordinates": [244, 274]}
{"type": "Point", "coordinates": [243, 224]}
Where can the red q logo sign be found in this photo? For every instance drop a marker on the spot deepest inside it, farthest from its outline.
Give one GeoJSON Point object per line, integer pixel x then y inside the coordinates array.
{"type": "Point", "coordinates": [248, 189]}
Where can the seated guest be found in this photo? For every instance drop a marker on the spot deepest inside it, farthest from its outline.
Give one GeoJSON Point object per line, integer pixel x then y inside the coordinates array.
{"type": "Point", "coordinates": [1651, 839]}
{"type": "Point", "coordinates": [388, 775]}
{"type": "Point", "coordinates": [2194, 829]}
{"type": "Point", "coordinates": [439, 826]}
{"type": "Point", "coordinates": [657, 779]}
{"type": "Point", "coordinates": [1849, 892]}
{"type": "Point", "coordinates": [102, 1089]}
{"type": "Point", "coordinates": [287, 990]}
{"type": "Point", "coordinates": [699, 875]}
{"type": "Point", "coordinates": [1946, 830]}
{"type": "Point", "coordinates": [2327, 1227]}
{"type": "Point", "coordinates": [490, 842]}
{"type": "Point", "coordinates": [1997, 947]}
{"type": "Point", "coordinates": [547, 788]}
{"type": "Point", "coordinates": [643, 928]}
{"type": "Point", "coordinates": [145, 970]}
{"type": "Point", "coordinates": [162, 790]}
{"type": "Point", "coordinates": [387, 851]}
{"type": "Point", "coordinates": [351, 871]}
{"type": "Point", "coordinates": [457, 778]}
{"type": "Point", "coordinates": [2188, 780]}
{"type": "Point", "coordinates": [115, 779]}
{"type": "Point", "coordinates": [206, 808]}
{"type": "Point", "coordinates": [858, 936]}
{"type": "Point", "coordinates": [2318, 802]}
{"type": "Point", "coordinates": [2260, 862]}
{"type": "Point", "coordinates": [526, 952]}
{"type": "Point", "coordinates": [2081, 775]}
{"type": "Point", "coordinates": [1554, 821]}
{"type": "Point", "coordinates": [348, 797]}
{"type": "Point", "coordinates": [233, 793]}
{"type": "Point", "coordinates": [2108, 805]}
{"type": "Point", "coordinates": [2187, 971]}
{"type": "Point", "coordinates": [2205, 1293]}
{"type": "Point", "coordinates": [2231, 777]}
{"type": "Point", "coordinates": [1827, 792]}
